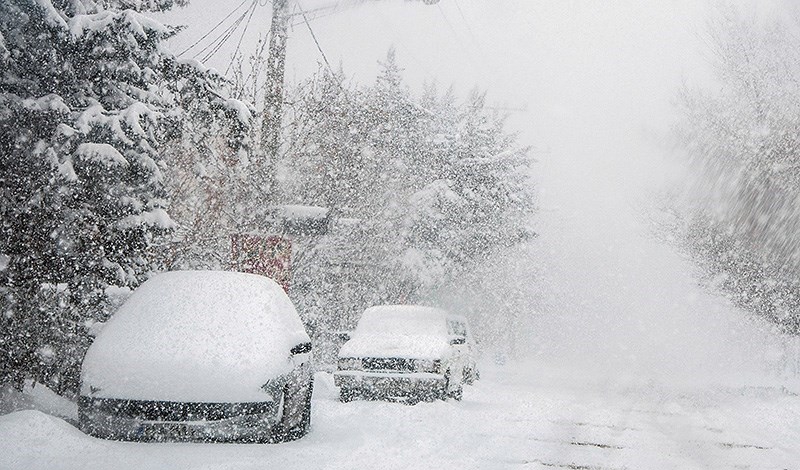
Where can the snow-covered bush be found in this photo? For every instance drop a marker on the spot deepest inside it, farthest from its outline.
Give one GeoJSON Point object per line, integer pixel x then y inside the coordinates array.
{"type": "Point", "coordinates": [742, 215]}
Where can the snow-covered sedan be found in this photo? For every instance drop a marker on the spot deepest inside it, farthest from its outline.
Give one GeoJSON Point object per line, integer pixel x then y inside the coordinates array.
{"type": "Point", "coordinates": [406, 352]}
{"type": "Point", "coordinates": [200, 356]}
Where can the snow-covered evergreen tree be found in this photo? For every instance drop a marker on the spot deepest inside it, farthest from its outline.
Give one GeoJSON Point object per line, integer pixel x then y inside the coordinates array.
{"type": "Point", "coordinates": [324, 160]}
{"type": "Point", "coordinates": [87, 97]}
{"type": "Point", "coordinates": [425, 187]}
{"type": "Point", "coordinates": [477, 199]}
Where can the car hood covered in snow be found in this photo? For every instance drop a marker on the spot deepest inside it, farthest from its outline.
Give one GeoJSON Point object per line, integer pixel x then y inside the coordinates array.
{"type": "Point", "coordinates": [195, 336]}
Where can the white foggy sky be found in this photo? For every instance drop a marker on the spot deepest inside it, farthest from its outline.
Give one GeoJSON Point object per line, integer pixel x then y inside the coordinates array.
{"type": "Point", "coordinates": [570, 62]}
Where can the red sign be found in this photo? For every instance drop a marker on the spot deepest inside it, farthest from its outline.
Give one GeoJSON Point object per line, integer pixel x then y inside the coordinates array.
{"type": "Point", "coordinates": [269, 256]}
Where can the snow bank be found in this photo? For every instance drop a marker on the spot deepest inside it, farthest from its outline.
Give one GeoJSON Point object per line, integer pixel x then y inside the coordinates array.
{"type": "Point", "coordinates": [32, 439]}
{"type": "Point", "coordinates": [407, 331]}
{"type": "Point", "coordinates": [529, 415]}
{"type": "Point", "coordinates": [195, 336]}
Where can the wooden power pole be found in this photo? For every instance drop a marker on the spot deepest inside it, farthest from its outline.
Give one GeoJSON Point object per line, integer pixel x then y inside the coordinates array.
{"type": "Point", "coordinates": [273, 95]}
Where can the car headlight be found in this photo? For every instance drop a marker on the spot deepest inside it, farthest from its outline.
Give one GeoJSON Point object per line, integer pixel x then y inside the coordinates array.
{"type": "Point", "coordinates": [427, 365]}
{"type": "Point", "coordinates": [350, 363]}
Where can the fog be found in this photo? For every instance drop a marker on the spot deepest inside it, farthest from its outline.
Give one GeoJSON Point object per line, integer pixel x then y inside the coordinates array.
{"type": "Point", "coordinates": [590, 85]}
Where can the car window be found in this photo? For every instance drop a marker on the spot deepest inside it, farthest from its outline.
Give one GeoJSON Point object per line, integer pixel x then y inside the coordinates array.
{"type": "Point", "coordinates": [457, 328]}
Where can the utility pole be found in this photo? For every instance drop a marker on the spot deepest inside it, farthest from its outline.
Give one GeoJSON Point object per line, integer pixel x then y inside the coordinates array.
{"type": "Point", "coordinates": [273, 94]}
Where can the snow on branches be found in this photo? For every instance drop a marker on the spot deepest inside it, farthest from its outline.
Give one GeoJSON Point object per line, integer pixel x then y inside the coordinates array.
{"type": "Point", "coordinates": [744, 152]}
{"type": "Point", "coordinates": [89, 101]}
{"type": "Point", "coordinates": [425, 187]}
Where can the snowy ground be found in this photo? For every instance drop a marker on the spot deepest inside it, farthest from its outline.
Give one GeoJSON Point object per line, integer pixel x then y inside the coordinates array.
{"type": "Point", "coordinates": [518, 416]}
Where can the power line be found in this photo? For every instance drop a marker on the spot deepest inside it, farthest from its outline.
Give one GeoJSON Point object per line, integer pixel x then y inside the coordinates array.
{"type": "Point", "coordinates": [466, 23]}
{"type": "Point", "coordinates": [319, 48]}
{"type": "Point", "coordinates": [217, 44]}
{"type": "Point", "coordinates": [221, 37]}
{"type": "Point", "coordinates": [212, 29]}
{"type": "Point", "coordinates": [455, 35]}
{"type": "Point", "coordinates": [325, 12]}
{"type": "Point", "coordinates": [244, 30]}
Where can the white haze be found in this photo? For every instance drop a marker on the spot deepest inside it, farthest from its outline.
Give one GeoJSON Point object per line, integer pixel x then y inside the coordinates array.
{"type": "Point", "coordinates": [596, 80]}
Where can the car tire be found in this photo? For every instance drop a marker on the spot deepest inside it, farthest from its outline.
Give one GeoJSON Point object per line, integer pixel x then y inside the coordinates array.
{"type": "Point", "coordinates": [456, 393]}
{"type": "Point", "coordinates": [471, 375]}
{"type": "Point", "coordinates": [285, 431]}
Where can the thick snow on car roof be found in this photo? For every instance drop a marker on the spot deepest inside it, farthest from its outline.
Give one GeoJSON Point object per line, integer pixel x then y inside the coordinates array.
{"type": "Point", "coordinates": [409, 331]}
{"type": "Point", "coordinates": [205, 336]}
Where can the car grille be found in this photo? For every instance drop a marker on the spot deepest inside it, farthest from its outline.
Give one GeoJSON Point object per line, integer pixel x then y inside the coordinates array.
{"type": "Point", "coordinates": [148, 410]}
{"type": "Point", "coordinates": [392, 364]}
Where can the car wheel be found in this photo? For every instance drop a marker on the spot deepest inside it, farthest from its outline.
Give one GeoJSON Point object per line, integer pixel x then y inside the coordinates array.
{"type": "Point", "coordinates": [457, 393]}
{"type": "Point", "coordinates": [450, 391]}
{"type": "Point", "coordinates": [469, 377]}
{"type": "Point", "coordinates": [296, 419]}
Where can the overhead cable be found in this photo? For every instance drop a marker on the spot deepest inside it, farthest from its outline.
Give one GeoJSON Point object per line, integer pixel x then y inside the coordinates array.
{"type": "Point", "coordinates": [212, 29]}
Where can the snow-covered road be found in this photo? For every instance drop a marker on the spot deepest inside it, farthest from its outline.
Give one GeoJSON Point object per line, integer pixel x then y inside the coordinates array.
{"type": "Point", "coordinates": [520, 415]}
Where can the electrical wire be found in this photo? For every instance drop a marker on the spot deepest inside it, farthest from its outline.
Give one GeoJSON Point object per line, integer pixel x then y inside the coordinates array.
{"type": "Point", "coordinates": [221, 40]}
{"type": "Point", "coordinates": [244, 30]}
{"type": "Point", "coordinates": [220, 37]}
{"type": "Point", "coordinates": [456, 38]}
{"type": "Point", "coordinates": [325, 12]}
{"type": "Point", "coordinates": [319, 48]}
{"type": "Point", "coordinates": [212, 29]}
{"type": "Point", "coordinates": [466, 24]}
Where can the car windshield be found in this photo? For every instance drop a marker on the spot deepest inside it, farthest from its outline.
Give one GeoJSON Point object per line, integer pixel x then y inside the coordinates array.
{"type": "Point", "coordinates": [402, 322]}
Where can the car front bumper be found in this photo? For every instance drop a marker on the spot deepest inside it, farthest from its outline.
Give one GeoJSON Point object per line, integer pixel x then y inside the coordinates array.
{"type": "Point", "coordinates": [370, 384]}
{"type": "Point", "coordinates": [153, 422]}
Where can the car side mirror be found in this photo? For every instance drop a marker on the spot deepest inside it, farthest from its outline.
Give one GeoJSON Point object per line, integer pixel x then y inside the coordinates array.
{"type": "Point", "coordinates": [301, 348]}
{"type": "Point", "coordinates": [343, 336]}
{"type": "Point", "coordinates": [458, 340]}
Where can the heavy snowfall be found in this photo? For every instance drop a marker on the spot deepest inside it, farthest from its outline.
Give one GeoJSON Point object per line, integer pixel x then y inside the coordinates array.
{"type": "Point", "coordinates": [606, 193]}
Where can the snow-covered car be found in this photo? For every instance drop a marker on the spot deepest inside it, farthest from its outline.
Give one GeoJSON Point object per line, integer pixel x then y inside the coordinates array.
{"type": "Point", "coordinates": [406, 352]}
{"type": "Point", "coordinates": [200, 356]}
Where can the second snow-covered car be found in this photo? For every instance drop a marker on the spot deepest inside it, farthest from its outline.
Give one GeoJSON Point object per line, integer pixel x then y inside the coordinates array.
{"type": "Point", "coordinates": [200, 356]}
{"type": "Point", "coordinates": [406, 352]}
